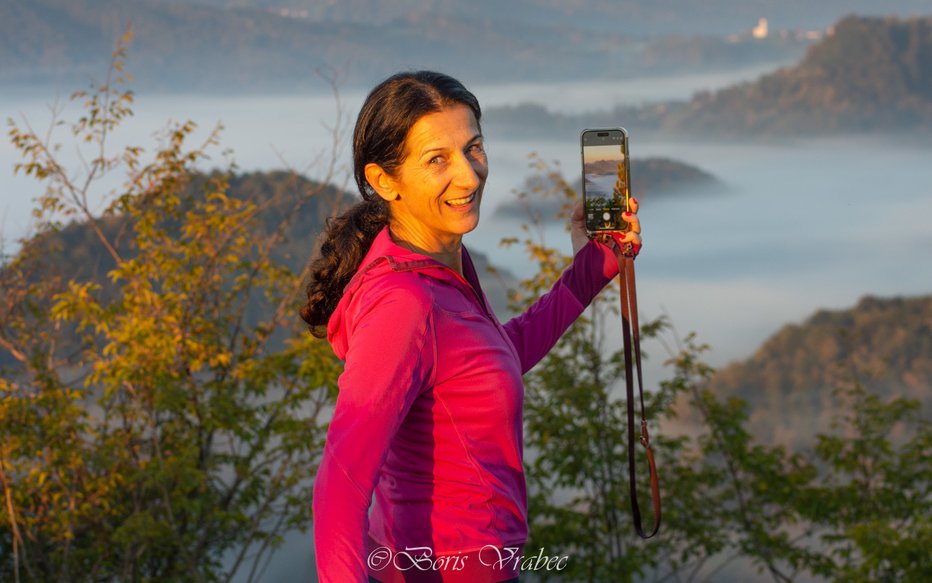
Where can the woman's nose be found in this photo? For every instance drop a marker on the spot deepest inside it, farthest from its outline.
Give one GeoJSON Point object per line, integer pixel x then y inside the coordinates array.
{"type": "Point", "coordinates": [469, 173]}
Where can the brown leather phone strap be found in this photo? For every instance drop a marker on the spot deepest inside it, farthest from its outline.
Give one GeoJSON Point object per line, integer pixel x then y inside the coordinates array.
{"type": "Point", "coordinates": [625, 253]}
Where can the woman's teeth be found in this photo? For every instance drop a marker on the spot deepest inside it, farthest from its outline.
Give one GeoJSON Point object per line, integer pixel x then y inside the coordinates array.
{"type": "Point", "coordinates": [462, 201]}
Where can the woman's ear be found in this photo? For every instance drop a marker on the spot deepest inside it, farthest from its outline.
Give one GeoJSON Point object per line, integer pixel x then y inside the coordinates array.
{"type": "Point", "coordinates": [381, 182]}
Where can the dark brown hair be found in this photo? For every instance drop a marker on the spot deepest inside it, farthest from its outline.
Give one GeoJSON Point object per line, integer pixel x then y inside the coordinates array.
{"type": "Point", "coordinates": [379, 137]}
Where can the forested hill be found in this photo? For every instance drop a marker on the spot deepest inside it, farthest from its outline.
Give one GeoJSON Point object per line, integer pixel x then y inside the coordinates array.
{"type": "Point", "coordinates": [871, 74]}
{"type": "Point", "coordinates": [75, 251]}
{"type": "Point", "coordinates": [883, 344]}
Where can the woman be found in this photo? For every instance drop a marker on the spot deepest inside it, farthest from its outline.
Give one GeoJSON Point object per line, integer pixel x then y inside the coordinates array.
{"type": "Point", "coordinates": [429, 412]}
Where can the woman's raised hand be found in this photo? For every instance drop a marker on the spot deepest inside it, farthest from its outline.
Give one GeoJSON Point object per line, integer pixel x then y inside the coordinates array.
{"type": "Point", "coordinates": [578, 228]}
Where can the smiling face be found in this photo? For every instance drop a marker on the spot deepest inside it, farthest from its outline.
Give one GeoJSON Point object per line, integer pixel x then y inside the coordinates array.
{"type": "Point", "coordinates": [434, 195]}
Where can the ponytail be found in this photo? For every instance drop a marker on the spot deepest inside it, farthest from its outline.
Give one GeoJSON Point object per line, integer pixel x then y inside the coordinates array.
{"type": "Point", "coordinates": [347, 239]}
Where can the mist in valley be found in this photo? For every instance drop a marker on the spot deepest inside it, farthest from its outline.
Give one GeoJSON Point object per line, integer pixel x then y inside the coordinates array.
{"type": "Point", "coordinates": [803, 224]}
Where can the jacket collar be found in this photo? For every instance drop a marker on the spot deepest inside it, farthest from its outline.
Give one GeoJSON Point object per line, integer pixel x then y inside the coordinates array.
{"type": "Point", "coordinates": [385, 256]}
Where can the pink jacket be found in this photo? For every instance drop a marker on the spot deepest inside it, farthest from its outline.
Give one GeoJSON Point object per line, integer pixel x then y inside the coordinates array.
{"type": "Point", "coordinates": [429, 411]}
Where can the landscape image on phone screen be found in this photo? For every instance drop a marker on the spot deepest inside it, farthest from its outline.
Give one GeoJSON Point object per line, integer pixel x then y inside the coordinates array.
{"type": "Point", "coordinates": [605, 185]}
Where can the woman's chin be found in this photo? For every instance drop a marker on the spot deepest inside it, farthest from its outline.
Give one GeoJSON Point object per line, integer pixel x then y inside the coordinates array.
{"type": "Point", "coordinates": [463, 221]}
{"type": "Point", "coordinates": [469, 222]}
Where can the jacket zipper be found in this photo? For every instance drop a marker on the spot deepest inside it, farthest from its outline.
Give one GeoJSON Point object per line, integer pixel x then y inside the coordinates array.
{"type": "Point", "coordinates": [475, 294]}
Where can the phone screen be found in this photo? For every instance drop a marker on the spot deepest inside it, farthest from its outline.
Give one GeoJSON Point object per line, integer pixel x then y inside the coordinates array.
{"type": "Point", "coordinates": [605, 178]}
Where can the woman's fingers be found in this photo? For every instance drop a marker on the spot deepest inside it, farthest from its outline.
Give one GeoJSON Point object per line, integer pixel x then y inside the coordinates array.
{"type": "Point", "coordinates": [633, 234]}
{"type": "Point", "coordinates": [629, 237]}
{"type": "Point", "coordinates": [632, 219]}
{"type": "Point", "coordinates": [631, 216]}
{"type": "Point", "coordinates": [622, 240]}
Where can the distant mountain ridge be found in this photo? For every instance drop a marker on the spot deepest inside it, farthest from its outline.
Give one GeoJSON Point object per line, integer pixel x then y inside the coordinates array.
{"type": "Point", "coordinates": [870, 75]}
{"type": "Point", "coordinates": [885, 344]}
{"type": "Point", "coordinates": [627, 17]}
{"type": "Point", "coordinates": [249, 47]}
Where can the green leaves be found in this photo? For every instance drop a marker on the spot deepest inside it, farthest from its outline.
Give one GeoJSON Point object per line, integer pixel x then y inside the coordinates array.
{"type": "Point", "coordinates": [855, 508]}
{"type": "Point", "coordinates": [160, 421]}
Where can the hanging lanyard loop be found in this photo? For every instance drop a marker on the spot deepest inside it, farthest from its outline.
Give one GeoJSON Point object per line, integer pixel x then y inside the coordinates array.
{"type": "Point", "coordinates": [625, 254]}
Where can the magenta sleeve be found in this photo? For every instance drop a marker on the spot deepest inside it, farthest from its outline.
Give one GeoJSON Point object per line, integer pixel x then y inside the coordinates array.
{"type": "Point", "coordinates": [593, 267]}
{"type": "Point", "coordinates": [389, 362]}
{"type": "Point", "coordinates": [538, 329]}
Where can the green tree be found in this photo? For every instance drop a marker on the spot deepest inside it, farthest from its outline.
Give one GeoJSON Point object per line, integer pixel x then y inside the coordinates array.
{"type": "Point", "coordinates": [857, 507]}
{"type": "Point", "coordinates": [873, 503]}
{"type": "Point", "coordinates": [176, 438]}
{"type": "Point", "coordinates": [575, 426]}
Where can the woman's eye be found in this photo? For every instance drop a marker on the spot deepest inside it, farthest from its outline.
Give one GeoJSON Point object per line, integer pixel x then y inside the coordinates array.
{"type": "Point", "coordinates": [435, 160]}
{"type": "Point", "coordinates": [477, 149]}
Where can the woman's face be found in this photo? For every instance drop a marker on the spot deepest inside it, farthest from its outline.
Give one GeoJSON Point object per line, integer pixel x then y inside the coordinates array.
{"type": "Point", "coordinates": [439, 184]}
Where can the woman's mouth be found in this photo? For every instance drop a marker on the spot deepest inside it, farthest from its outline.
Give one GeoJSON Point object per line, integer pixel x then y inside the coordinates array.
{"type": "Point", "coordinates": [460, 202]}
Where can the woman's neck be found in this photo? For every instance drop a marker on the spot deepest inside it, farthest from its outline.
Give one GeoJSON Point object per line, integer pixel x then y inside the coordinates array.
{"type": "Point", "coordinates": [450, 253]}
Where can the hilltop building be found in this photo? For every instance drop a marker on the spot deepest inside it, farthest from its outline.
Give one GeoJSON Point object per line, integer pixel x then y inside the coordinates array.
{"type": "Point", "coordinates": [760, 31]}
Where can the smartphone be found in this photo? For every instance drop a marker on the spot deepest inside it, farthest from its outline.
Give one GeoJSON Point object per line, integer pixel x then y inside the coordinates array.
{"type": "Point", "coordinates": [606, 179]}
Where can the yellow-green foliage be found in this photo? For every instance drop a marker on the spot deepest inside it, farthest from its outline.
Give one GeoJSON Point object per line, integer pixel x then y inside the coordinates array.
{"type": "Point", "coordinates": [174, 432]}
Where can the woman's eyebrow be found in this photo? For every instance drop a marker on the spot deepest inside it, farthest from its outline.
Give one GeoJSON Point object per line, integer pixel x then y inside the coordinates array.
{"type": "Point", "coordinates": [427, 150]}
{"type": "Point", "coordinates": [434, 149]}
